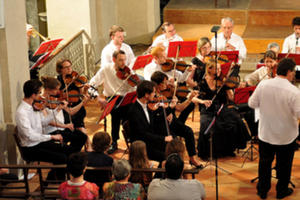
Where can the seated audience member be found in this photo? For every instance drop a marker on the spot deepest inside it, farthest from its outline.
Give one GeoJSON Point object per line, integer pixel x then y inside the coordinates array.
{"type": "Point", "coordinates": [77, 187]}
{"type": "Point", "coordinates": [120, 188]}
{"type": "Point", "coordinates": [99, 158]}
{"type": "Point", "coordinates": [138, 159]}
{"type": "Point", "coordinates": [173, 187]}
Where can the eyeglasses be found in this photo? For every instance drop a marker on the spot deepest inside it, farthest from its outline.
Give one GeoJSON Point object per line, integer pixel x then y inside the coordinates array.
{"type": "Point", "coordinates": [69, 66]}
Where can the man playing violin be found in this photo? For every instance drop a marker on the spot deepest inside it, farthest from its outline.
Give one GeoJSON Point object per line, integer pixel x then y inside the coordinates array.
{"type": "Point", "coordinates": [66, 79]}
{"type": "Point", "coordinates": [159, 58]}
{"type": "Point", "coordinates": [113, 86]}
{"type": "Point", "coordinates": [116, 33]}
{"type": "Point", "coordinates": [35, 144]}
{"type": "Point", "coordinates": [169, 35]}
{"type": "Point", "coordinates": [229, 41]}
{"type": "Point", "coordinates": [76, 138]}
{"type": "Point", "coordinates": [173, 126]}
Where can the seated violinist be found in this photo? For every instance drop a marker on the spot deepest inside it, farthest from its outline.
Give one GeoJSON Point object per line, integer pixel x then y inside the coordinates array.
{"type": "Point", "coordinates": [76, 138]}
{"type": "Point", "coordinates": [67, 79]}
{"type": "Point", "coordinates": [160, 58]}
{"type": "Point", "coordinates": [264, 72]}
{"type": "Point", "coordinates": [228, 132]}
{"type": "Point", "coordinates": [112, 76]}
{"type": "Point", "coordinates": [35, 144]}
{"type": "Point", "coordinates": [165, 120]}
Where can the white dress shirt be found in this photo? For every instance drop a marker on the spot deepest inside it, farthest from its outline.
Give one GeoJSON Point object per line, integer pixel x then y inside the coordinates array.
{"type": "Point", "coordinates": [59, 118]}
{"type": "Point", "coordinates": [290, 43]}
{"type": "Point", "coordinates": [234, 40]}
{"type": "Point", "coordinates": [279, 104]}
{"type": "Point", "coordinates": [30, 125]}
{"type": "Point", "coordinates": [106, 75]}
{"type": "Point", "coordinates": [145, 108]}
{"type": "Point", "coordinates": [153, 67]}
{"type": "Point", "coordinates": [165, 41]}
{"type": "Point", "coordinates": [110, 48]}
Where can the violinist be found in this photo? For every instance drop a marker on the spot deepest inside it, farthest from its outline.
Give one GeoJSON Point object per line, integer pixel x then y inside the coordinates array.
{"type": "Point", "coordinates": [228, 132]}
{"type": "Point", "coordinates": [66, 79]}
{"type": "Point", "coordinates": [291, 43]}
{"type": "Point", "coordinates": [175, 126]}
{"type": "Point", "coordinates": [229, 41]}
{"type": "Point", "coordinates": [76, 138]}
{"type": "Point", "coordinates": [264, 72]}
{"type": "Point", "coordinates": [116, 34]}
{"type": "Point", "coordinates": [113, 86]}
{"type": "Point", "coordinates": [160, 58]}
{"type": "Point", "coordinates": [36, 145]}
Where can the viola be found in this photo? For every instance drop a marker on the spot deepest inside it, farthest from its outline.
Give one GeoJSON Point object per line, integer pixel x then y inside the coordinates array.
{"type": "Point", "coordinates": [169, 65]}
{"type": "Point", "coordinates": [125, 73]}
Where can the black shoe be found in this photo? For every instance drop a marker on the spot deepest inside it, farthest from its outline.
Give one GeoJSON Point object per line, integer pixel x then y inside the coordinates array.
{"type": "Point", "coordinates": [262, 195]}
{"type": "Point", "coordinates": [113, 147]}
{"type": "Point", "coordinates": [200, 166]}
{"type": "Point", "coordinates": [285, 193]}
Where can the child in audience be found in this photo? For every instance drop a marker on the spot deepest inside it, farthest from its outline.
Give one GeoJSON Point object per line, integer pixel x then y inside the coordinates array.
{"type": "Point", "coordinates": [77, 187]}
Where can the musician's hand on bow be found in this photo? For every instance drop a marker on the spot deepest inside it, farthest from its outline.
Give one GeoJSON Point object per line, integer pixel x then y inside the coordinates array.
{"type": "Point", "coordinates": [207, 103]}
{"type": "Point", "coordinates": [192, 94]}
{"type": "Point", "coordinates": [174, 102]}
{"type": "Point", "coordinates": [102, 102]}
{"type": "Point", "coordinates": [168, 138]}
{"type": "Point", "coordinates": [70, 126]}
{"type": "Point", "coordinates": [170, 118]}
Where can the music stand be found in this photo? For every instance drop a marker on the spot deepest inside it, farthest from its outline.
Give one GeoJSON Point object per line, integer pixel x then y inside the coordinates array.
{"type": "Point", "coordinates": [233, 56]}
{"type": "Point", "coordinates": [41, 60]}
{"type": "Point", "coordinates": [182, 49]}
{"type": "Point", "coordinates": [47, 46]}
{"type": "Point", "coordinates": [108, 108]}
{"type": "Point", "coordinates": [142, 61]}
{"type": "Point", "coordinates": [129, 98]}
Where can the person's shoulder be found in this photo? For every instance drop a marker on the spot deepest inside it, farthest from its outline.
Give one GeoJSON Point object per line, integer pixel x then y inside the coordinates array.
{"type": "Point", "coordinates": [90, 185]}
{"type": "Point", "coordinates": [127, 46]}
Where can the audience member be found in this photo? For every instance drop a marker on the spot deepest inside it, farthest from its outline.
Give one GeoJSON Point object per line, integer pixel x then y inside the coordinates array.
{"type": "Point", "coordinates": [77, 187]}
{"type": "Point", "coordinates": [120, 188]}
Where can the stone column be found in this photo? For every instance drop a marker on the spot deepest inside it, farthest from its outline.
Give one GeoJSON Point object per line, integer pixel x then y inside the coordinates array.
{"type": "Point", "coordinates": [14, 71]}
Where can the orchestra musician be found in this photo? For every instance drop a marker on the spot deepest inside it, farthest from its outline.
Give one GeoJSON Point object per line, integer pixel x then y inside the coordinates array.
{"type": "Point", "coordinates": [76, 138]}
{"type": "Point", "coordinates": [65, 71]}
{"type": "Point", "coordinates": [175, 126]}
{"type": "Point", "coordinates": [264, 72]}
{"type": "Point", "coordinates": [291, 43]}
{"type": "Point", "coordinates": [113, 86]}
{"type": "Point", "coordinates": [228, 132]}
{"type": "Point", "coordinates": [229, 41]}
{"type": "Point", "coordinates": [279, 104]}
{"type": "Point", "coordinates": [35, 144]}
{"type": "Point", "coordinates": [117, 34]}
{"type": "Point", "coordinates": [169, 35]}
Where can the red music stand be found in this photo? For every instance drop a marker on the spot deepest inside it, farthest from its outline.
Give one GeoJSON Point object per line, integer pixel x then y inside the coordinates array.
{"type": "Point", "coordinates": [232, 56]}
{"type": "Point", "coordinates": [41, 60]}
{"type": "Point", "coordinates": [47, 46]}
{"type": "Point", "coordinates": [108, 108]}
{"type": "Point", "coordinates": [142, 61]}
{"type": "Point", "coordinates": [241, 95]}
{"type": "Point", "coordinates": [225, 68]}
{"type": "Point", "coordinates": [294, 56]}
{"type": "Point", "coordinates": [129, 98]}
{"type": "Point", "coordinates": [186, 49]}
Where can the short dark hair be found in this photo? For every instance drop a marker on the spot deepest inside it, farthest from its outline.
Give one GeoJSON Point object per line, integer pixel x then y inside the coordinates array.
{"type": "Point", "coordinates": [101, 141]}
{"type": "Point", "coordinates": [31, 87]}
{"type": "Point", "coordinates": [59, 64]}
{"type": "Point", "coordinates": [117, 52]}
{"type": "Point", "coordinates": [144, 87]}
{"type": "Point", "coordinates": [285, 65]}
{"type": "Point", "coordinates": [165, 25]}
{"type": "Point", "coordinates": [76, 164]}
{"type": "Point", "coordinates": [50, 82]}
{"type": "Point", "coordinates": [158, 77]}
{"type": "Point", "coordinates": [296, 21]}
{"type": "Point", "coordinates": [174, 166]}
{"type": "Point", "coordinates": [270, 54]}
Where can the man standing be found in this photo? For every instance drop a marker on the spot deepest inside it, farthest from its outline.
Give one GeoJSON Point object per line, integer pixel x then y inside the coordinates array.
{"type": "Point", "coordinates": [229, 41]}
{"type": "Point", "coordinates": [113, 86]}
{"type": "Point", "coordinates": [116, 33]}
{"type": "Point", "coordinates": [291, 43]}
{"type": "Point", "coordinates": [278, 127]}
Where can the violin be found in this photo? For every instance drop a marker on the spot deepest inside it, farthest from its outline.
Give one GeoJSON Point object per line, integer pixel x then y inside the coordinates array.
{"type": "Point", "coordinates": [232, 80]}
{"type": "Point", "coordinates": [169, 65]}
{"type": "Point", "coordinates": [71, 96]}
{"type": "Point", "coordinates": [222, 59]}
{"type": "Point", "coordinates": [181, 91]}
{"type": "Point", "coordinates": [42, 103]}
{"type": "Point", "coordinates": [125, 73]}
{"type": "Point", "coordinates": [79, 80]}
{"type": "Point", "coordinates": [158, 101]}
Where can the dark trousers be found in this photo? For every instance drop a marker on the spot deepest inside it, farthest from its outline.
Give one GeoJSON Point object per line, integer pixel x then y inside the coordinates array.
{"type": "Point", "coordinates": [180, 129]}
{"type": "Point", "coordinates": [284, 159]}
{"type": "Point", "coordinates": [186, 112]}
{"type": "Point", "coordinates": [117, 116]}
{"type": "Point", "coordinates": [73, 141]}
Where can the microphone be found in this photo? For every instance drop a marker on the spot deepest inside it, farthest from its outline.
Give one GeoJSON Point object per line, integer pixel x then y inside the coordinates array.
{"type": "Point", "coordinates": [215, 29]}
{"type": "Point", "coordinates": [297, 41]}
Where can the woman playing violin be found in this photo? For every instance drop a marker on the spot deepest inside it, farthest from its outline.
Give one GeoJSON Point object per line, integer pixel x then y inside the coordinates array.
{"type": "Point", "coordinates": [174, 126]}
{"type": "Point", "coordinates": [264, 72]}
{"type": "Point", "coordinates": [229, 131]}
{"type": "Point", "coordinates": [64, 69]}
{"type": "Point", "coordinates": [76, 138]}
